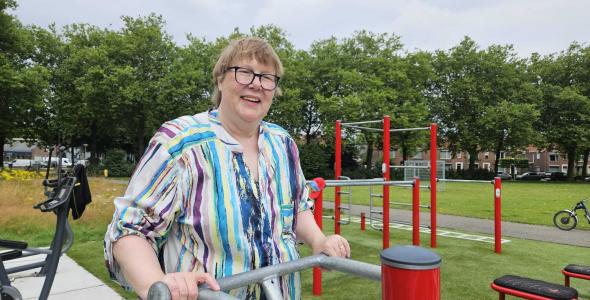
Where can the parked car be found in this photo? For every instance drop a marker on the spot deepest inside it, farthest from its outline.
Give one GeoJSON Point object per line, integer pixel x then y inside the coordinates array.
{"type": "Point", "coordinates": [531, 176]}
{"type": "Point", "coordinates": [504, 176]}
{"type": "Point", "coordinates": [64, 161]}
{"type": "Point", "coordinates": [556, 176]}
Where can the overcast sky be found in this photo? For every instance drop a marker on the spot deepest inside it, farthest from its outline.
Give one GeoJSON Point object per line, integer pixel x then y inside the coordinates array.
{"type": "Point", "coordinates": [543, 26]}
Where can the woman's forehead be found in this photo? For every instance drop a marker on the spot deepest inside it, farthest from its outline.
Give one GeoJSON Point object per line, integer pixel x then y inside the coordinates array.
{"type": "Point", "coordinates": [254, 64]}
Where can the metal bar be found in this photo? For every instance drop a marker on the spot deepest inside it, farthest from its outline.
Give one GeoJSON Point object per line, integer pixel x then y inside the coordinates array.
{"type": "Point", "coordinates": [386, 177]}
{"type": "Point", "coordinates": [25, 267]}
{"type": "Point", "coordinates": [340, 183]}
{"type": "Point", "coordinates": [409, 204]}
{"type": "Point", "coordinates": [433, 190]}
{"type": "Point", "coordinates": [409, 129]}
{"type": "Point", "coordinates": [465, 180]}
{"type": "Point", "coordinates": [321, 260]}
{"type": "Point", "coordinates": [363, 122]}
{"type": "Point", "coordinates": [363, 128]}
{"type": "Point", "coordinates": [271, 289]}
{"type": "Point", "coordinates": [409, 167]}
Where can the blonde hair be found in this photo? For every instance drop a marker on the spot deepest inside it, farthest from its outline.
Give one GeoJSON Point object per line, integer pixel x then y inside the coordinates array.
{"type": "Point", "coordinates": [244, 48]}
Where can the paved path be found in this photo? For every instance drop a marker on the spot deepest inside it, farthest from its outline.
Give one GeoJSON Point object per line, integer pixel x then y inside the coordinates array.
{"type": "Point", "coordinates": [509, 229]}
{"type": "Point", "coordinates": [71, 281]}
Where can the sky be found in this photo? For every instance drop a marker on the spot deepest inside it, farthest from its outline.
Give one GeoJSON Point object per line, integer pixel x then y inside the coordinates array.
{"type": "Point", "coordinates": [542, 26]}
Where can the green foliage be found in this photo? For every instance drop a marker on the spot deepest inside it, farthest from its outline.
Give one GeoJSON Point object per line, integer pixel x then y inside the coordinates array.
{"type": "Point", "coordinates": [116, 163]}
{"type": "Point", "coordinates": [316, 160]}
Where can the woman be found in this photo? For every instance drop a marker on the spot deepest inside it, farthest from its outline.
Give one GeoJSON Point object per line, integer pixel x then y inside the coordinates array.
{"type": "Point", "coordinates": [218, 193]}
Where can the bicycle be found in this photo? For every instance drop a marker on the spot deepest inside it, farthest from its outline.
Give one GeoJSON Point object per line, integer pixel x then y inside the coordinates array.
{"type": "Point", "coordinates": [568, 219]}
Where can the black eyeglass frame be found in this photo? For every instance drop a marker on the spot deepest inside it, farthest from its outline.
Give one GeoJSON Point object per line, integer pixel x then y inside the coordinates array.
{"type": "Point", "coordinates": [259, 75]}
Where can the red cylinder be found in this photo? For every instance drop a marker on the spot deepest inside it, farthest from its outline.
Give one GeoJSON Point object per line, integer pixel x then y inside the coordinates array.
{"type": "Point", "coordinates": [410, 273]}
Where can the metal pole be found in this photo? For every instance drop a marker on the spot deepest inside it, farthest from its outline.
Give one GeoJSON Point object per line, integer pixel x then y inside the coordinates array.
{"type": "Point", "coordinates": [433, 166]}
{"type": "Point", "coordinates": [337, 174]}
{"type": "Point", "coordinates": [498, 214]}
{"type": "Point", "coordinates": [317, 272]}
{"type": "Point", "coordinates": [363, 221]}
{"type": "Point", "coordinates": [386, 170]}
{"type": "Point", "coordinates": [416, 212]}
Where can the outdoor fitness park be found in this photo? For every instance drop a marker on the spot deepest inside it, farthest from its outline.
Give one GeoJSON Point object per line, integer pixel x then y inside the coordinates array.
{"type": "Point", "coordinates": [405, 270]}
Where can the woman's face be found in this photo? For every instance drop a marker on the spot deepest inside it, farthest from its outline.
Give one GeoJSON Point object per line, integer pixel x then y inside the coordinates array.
{"type": "Point", "coordinates": [245, 103]}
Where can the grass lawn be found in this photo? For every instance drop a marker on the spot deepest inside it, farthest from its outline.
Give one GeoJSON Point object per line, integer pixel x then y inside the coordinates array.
{"type": "Point", "coordinates": [467, 270]}
{"type": "Point", "coordinates": [523, 202]}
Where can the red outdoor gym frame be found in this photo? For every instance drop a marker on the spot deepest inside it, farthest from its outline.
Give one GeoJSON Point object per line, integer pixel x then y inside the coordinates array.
{"type": "Point", "coordinates": [386, 173]}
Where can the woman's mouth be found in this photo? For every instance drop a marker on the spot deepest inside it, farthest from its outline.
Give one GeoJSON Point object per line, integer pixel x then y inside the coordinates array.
{"type": "Point", "coordinates": [250, 99]}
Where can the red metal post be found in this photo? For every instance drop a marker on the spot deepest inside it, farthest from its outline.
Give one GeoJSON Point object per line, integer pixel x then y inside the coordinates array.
{"type": "Point", "coordinates": [337, 174]}
{"type": "Point", "coordinates": [433, 165]}
{"type": "Point", "coordinates": [498, 214]}
{"type": "Point", "coordinates": [363, 221]}
{"type": "Point", "coordinates": [385, 168]}
{"type": "Point", "coordinates": [416, 212]}
{"type": "Point", "coordinates": [317, 272]}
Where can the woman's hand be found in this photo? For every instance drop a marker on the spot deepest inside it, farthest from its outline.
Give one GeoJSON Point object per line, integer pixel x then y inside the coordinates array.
{"type": "Point", "coordinates": [183, 285]}
{"type": "Point", "coordinates": [333, 245]}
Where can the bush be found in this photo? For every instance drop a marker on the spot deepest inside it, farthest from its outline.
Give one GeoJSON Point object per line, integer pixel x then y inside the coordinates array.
{"type": "Point", "coordinates": [316, 161]}
{"type": "Point", "coordinates": [116, 163]}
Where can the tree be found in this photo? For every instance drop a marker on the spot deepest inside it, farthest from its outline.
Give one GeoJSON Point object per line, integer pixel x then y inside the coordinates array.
{"type": "Point", "coordinates": [564, 79]}
{"type": "Point", "coordinates": [23, 83]}
{"type": "Point", "coordinates": [482, 99]}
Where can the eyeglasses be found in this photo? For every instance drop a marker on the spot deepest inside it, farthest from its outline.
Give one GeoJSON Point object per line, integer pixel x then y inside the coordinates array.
{"type": "Point", "coordinates": [246, 76]}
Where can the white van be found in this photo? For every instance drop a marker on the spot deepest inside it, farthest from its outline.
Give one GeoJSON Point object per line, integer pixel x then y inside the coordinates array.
{"type": "Point", "coordinates": [64, 161]}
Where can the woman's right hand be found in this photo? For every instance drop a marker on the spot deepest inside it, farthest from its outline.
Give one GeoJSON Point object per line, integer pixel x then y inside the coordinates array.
{"type": "Point", "coordinates": [183, 285]}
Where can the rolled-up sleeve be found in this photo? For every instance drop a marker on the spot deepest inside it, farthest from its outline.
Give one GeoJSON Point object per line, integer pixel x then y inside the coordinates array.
{"type": "Point", "coordinates": [149, 206]}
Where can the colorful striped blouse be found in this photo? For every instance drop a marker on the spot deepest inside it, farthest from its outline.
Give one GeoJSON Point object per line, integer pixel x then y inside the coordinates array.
{"type": "Point", "coordinates": [193, 199]}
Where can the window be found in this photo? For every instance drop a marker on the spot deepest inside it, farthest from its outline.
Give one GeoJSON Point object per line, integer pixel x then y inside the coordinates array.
{"type": "Point", "coordinates": [459, 166]}
{"type": "Point", "coordinates": [418, 155]}
{"type": "Point", "coordinates": [448, 166]}
{"type": "Point", "coordinates": [538, 155]}
{"type": "Point", "coordinates": [459, 155]}
{"type": "Point", "coordinates": [554, 168]}
{"type": "Point", "coordinates": [486, 155]}
{"type": "Point", "coordinates": [445, 154]}
{"type": "Point", "coordinates": [502, 154]}
{"type": "Point", "coordinates": [553, 157]}
{"type": "Point", "coordinates": [486, 166]}
{"type": "Point", "coordinates": [476, 165]}
{"type": "Point", "coordinates": [564, 168]}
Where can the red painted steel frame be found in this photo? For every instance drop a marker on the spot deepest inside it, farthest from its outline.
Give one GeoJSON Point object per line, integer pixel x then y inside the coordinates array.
{"type": "Point", "coordinates": [317, 272]}
{"type": "Point", "coordinates": [573, 275]}
{"type": "Point", "coordinates": [498, 214]}
{"type": "Point", "coordinates": [386, 126]}
{"type": "Point", "coordinates": [337, 174]}
{"type": "Point", "coordinates": [416, 212]}
{"type": "Point", "coordinates": [433, 165]}
{"type": "Point", "coordinates": [524, 295]}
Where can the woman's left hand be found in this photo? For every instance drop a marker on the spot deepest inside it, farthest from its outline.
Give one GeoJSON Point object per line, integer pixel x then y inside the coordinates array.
{"type": "Point", "coordinates": [333, 245]}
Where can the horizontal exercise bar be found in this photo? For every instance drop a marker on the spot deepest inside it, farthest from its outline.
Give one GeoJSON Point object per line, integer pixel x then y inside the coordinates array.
{"type": "Point", "coordinates": [409, 204]}
{"type": "Point", "coordinates": [465, 180]}
{"type": "Point", "coordinates": [409, 129]}
{"type": "Point", "coordinates": [361, 122]}
{"type": "Point", "coordinates": [364, 128]}
{"type": "Point", "coordinates": [409, 167]}
{"type": "Point", "coordinates": [362, 182]}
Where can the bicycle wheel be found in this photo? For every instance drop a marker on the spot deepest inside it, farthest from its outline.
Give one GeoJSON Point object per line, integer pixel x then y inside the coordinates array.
{"type": "Point", "coordinates": [565, 220]}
